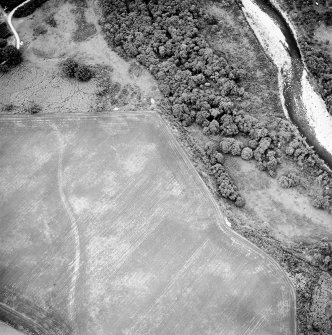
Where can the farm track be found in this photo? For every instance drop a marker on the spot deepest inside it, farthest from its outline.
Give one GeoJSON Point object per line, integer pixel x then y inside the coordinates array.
{"type": "Point", "coordinates": [74, 228]}
{"type": "Point", "coordinates": [9, 20]}
{"type": "Point", "coordinates": [202, 249]}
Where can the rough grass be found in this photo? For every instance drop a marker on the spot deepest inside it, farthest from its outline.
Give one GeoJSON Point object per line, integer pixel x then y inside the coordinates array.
{"type": "Point", "coordinates": [84, 30]}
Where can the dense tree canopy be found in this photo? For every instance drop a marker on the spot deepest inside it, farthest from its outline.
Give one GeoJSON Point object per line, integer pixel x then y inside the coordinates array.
{"type": "Point", "coordinates": [10, 56]}
{"type": "Point", "coordinates": [168, 38]}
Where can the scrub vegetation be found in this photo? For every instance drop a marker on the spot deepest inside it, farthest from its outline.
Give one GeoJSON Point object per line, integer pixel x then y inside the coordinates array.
{"type": "Point", "coordinates": [73, 69]}
{"type": "Point", "coordinates": [308, 17]}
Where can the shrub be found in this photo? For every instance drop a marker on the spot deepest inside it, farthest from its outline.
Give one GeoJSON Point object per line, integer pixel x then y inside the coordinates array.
{"type": "Point", "coordinates": [3, 42]}
{"type": "Point", "coordinates": [263, 146]}
{"type": "Point", "coordinates": [246, 153]}
{"type": "Point", "coordinates": [226, 186]}
{"type": "Point", "coordinates": [219, 158]}
{"type": "Point", "coordinates": [10, 55]}
{"type": "Point", "coordinates": [8, 108]}
{"type": "Point", "coordinates": [239, 202]}
{"type": "Point", "coordinates": [210, 148]}
{"type": "Point", "coordinates": [83, 73]}
{"type": "Point", "coordinates": [320, 201]}
{"type": "Point", "coordinates": [72, 69]}
{"type": "Point", "coordinates": [228, 127]}
{"type": "Point", "coordinates": [288, 180]}
{"type": "Point", "coordinates": [252, 144]}
{"type": "Point", "coordinates": [39, 30]}
{"type": "Point", "coordinates": [51, 21]}
{"type": "Point", "coordinates": [33, 108]}
{"type": "Point", "coordinates": [226, 145]}
{"type": "Point", "coordinates": [69, 67]}
{"type": "Point", "coordinates": [236, 148]}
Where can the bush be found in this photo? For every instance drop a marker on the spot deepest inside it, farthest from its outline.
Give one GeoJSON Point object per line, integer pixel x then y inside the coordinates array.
{"type": "Point", "coordinates": [69, 67]}
{"type": "Point", "coordinates": [226, 186]}
{"type": "Point", "coordinates": [320, 202]}
{"type": "Point", "coordinates": [236, 148]}
{"type": "Point", "coordinates": [246, 153]}
{"type": "Point", "coordinates": [289, 180]}
{"type": "Point", "coordinates": [39, 30]}
{"type": "Point", "coordinates": [252, 144]}
{"type": "Point", "coordinates": [226, 145]}
{"type": "Point", "coordinates": [239, 202]}
{"type": "Point", "coordinates": [219, 158]}
{"type": "Point", "coordinates": [3, 42]}
{"type": "Point", "coordinates": [10, 55]}
{"type": "Point", "coordinates": [73, 69]}
{"type": "Point", "coordinates": [231, 145]}
{"type": "Point", "coordinates": [228, 127]}
{"type": "Point", "coordinates": [33, 108]}
{"type": "Point", "coordinates": [51, 21]}
{"type": "Point", "coordinates": [83, 73]}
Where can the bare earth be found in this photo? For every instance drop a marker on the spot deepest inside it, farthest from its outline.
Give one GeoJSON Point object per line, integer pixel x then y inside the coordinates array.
{"type": "Point", "coordinates": [107, 228]}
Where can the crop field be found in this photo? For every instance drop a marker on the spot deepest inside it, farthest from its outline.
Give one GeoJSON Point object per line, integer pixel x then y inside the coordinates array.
{"type": "Point", "coordinates": [106, 228]}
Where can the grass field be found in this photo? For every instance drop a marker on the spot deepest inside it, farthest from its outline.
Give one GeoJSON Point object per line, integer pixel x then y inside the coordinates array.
{"type": "Point", "coordinates": [106, 228]}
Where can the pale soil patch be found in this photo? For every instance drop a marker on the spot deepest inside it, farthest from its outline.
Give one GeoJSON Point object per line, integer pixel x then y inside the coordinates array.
{"type": "Point", "coordinates": [6, 330]}
{"type": "Point", "coordinates": [39, 79]}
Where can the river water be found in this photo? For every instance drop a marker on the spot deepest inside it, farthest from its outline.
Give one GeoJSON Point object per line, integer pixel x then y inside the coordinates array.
{"type": "Point", "coordinates": [301, 104]}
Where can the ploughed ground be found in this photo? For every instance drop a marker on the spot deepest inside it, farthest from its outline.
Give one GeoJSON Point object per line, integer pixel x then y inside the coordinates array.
{"type": "Point", "coordinates": [112, 231]}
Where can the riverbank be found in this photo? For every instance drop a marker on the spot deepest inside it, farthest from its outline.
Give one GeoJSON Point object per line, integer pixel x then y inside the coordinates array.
{"type": "Point", "coordinates": [279, 40]}
{"type": "Point", "coordinates": [317, 116]}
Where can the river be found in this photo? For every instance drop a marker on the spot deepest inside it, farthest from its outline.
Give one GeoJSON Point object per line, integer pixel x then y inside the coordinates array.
{"type": "Point", "coordinates": [301, 104]}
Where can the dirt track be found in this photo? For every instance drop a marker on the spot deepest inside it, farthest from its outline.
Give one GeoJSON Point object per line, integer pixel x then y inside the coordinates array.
{"type": "Point", "coordinates": [156, 255]}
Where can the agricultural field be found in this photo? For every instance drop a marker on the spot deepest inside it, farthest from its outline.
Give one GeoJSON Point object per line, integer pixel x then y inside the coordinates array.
{"type": "Point", "coordinates": [106, 228]}
{"type": "Point", "coordinates": [5, 330]}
